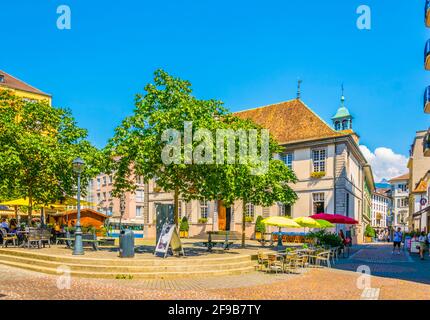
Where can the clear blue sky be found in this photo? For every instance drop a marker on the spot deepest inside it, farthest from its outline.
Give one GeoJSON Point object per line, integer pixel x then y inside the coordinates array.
{"type": "Point", "coordinates": [245, 53]}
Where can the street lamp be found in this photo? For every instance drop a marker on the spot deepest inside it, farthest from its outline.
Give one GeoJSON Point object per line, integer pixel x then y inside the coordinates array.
{"type": "Point", "coordinates": [78, 167]}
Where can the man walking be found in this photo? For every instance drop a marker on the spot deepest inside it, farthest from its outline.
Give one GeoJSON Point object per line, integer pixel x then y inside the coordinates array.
{"type": "Point", "coordinates": [398, 236]}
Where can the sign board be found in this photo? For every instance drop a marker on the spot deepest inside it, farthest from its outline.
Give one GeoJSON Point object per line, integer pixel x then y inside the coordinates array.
{"type": "Point", "coordinates": [169, 237]}
{"type": "Point", "coordinates": [423, 201]}
{"type": "Point", "coordinates": [164, 214]}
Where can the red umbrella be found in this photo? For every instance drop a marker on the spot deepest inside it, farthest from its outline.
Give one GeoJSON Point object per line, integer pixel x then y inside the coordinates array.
{"type": "Point", "coordinates": [334, 218]}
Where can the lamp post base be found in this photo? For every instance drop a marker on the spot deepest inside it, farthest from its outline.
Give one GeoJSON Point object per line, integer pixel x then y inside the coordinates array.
{"type": "Point", "coordinates": [78, 249]}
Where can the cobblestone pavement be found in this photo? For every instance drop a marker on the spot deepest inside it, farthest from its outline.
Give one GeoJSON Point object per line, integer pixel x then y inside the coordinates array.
{"type": "Point", "coordinates": [383, 263]}
{"type": "Point", "coordinates": [321, 283]}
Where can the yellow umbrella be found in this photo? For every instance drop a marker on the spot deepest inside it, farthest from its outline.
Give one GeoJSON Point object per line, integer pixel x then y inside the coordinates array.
{"type": "Point", "coordinates": [307, 222]}
{"type": "Point", "coordinates": [325, 224]}
{"type": "Point", "coordinates": [59, 204]}
{"type": "Point", "coordinates": [281, 222]}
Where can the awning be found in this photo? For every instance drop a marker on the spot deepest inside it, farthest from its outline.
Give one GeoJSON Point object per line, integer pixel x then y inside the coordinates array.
{"type": "Point", "coordinates": [420, 213]}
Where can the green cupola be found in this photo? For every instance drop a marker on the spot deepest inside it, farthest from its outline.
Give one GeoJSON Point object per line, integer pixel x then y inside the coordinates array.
{"type": "Point", "coordinates": [342, 120]}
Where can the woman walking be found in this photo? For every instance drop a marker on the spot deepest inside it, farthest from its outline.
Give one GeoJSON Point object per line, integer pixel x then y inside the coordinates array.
{"type": "Point", "coordinates": [423, 244]}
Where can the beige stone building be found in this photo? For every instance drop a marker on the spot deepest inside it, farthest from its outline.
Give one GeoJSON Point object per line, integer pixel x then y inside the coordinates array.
{"type": "Point", "coordinates": [418, 166]}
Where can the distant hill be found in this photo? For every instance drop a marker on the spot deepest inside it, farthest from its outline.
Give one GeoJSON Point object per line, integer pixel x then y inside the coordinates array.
{"type": "Point", "coordinates": [384, 184]}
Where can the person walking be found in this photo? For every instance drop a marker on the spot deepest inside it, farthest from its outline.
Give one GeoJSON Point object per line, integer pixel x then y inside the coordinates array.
{"type": "Point", "coordinates": [398, 237]}
{"type": "Point", "coordinates": [423, 244]}
{"type": "Point", "coordinates": [428, 242]}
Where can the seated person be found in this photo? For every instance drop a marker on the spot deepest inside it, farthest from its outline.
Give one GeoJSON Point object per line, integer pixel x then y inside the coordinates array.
{"type": "Point", "coordinates": [4, 224]}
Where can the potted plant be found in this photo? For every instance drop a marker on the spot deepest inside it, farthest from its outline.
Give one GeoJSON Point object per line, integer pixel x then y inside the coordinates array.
{"type": "Point", "coordinates": [318, 175]}
{"type": "Point", "coordinates": [203, 220]}
{"type": "Point", "coordinates": [260, 228]}
{"type": "Point", "coordinates": [184, 228]}
{"type": "Point", "coordinates": [369, 233]}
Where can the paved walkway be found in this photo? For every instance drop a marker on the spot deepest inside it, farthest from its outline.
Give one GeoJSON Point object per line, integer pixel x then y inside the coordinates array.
{"type": "Point", "coordinates": [383, 263]}
{"type": "Point", "coordinates": [321, 283]}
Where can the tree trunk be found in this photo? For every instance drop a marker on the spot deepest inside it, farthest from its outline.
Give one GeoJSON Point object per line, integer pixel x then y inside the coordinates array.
{"type": "Point", "coordinates": [243, 222]}
{"type": "Point", "coordinates": [176, 207]}
{"type": "Point", "coordinates": [30, 207]}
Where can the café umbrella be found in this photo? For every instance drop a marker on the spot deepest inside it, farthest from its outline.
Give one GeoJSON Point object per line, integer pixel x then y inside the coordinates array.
{"type": "Point", "coordinates": [325, 224]}
{"type": "Point", "coordinates": [334, 218]}
{"type": "Point", "coordinates": [280, 222]}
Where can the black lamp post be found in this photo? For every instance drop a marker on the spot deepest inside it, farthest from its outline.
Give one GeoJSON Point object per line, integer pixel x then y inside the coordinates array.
{"type": "Point", "coordinates": [78, 167]}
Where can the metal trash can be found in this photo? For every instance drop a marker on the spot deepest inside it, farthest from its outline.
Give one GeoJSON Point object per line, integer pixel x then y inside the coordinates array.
{"type": "Point", "coordinates": [126, 244]}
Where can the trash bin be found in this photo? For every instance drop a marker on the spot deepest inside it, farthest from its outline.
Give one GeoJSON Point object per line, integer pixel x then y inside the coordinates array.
{"type": "Point", "coordinates": [126, 244]}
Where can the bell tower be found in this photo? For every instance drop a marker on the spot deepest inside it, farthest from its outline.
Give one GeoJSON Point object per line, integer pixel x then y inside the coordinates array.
{"type": "Point", "coordinates": [342, 120]}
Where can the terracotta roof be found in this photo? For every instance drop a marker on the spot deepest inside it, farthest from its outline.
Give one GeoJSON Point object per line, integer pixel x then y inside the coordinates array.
{"type": "Point", "coordinates": [14, 83]}
{"type": "Point", "coordinates": [85, 210]}
{"type": "Point", "coordinates": [290, 121]}
{"type": "Point", "coordinates": [402, 177]}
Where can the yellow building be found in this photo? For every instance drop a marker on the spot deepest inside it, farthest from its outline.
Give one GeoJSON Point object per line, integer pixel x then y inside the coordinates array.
{"type": "Point", "coordinates": [22, 89]}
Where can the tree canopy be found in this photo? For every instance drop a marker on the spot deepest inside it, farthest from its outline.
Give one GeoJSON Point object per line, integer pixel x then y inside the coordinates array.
{"type": "Point", "coordinates": [140, 142]}
{"type": "Point", "coordinates": [37, 146]}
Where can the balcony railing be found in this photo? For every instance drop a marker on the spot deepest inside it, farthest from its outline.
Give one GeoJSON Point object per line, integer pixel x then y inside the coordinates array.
{"type": "Point", "coordinates": [427, 55]}
{"type": "Point", "coordinates": [427, 13]}
{"type": "Point", "coordinates": [427, 100]}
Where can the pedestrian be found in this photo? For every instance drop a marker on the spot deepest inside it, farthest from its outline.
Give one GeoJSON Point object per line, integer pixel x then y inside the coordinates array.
{"type": "Point", "coordinates": [428, 242]}
{"type": "Point", "coordinates": [398, 237]}
{"type": "Point", "coordinates": [423, 244]}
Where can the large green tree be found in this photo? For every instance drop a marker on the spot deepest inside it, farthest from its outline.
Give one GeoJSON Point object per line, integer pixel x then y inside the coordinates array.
{"type": "Point", "coordinates": [254, 178]}
{"type": "Point", "coordinates": [138, 144]}
{"type": "Point", "coordinates": [140, 141]}
{"type": "Point", "coordinates": [38, 143]}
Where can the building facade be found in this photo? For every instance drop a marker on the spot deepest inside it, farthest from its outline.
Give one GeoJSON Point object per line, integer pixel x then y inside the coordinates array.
{"type": "Point", "coordinates": [418, 166]}
{"type": "Point", "coordinates": [22, 89]}
{"type": "Point", "coordinates": [381, 209]}
{"type": "Point", "coordinates": [400, 201]}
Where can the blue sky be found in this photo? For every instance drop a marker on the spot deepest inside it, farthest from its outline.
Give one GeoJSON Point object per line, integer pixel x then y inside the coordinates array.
{"type": "Point", "coordinates": [245, 53]}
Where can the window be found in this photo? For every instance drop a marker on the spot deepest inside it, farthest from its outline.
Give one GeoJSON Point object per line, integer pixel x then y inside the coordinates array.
{"type": "Point", "coordinates": [110, 179]}
{"type": "Point", "coordinates": [110, 210]}
{"type": "Point", "coordinates": [337, 125]}
{"type": "Point", "coordinates": [99, 199]}
{"type": "Point", "coordinates": [318, 202]}
{"type": "Point", "coordinates": [138, 211]}
{"type": "Point", "coordinates": [344, 124]}
{"type": "Point", "coordinates": [284, 209]}
{"type": "Point", "coordinates": [1, 78]}
{"type": "Point", "coordinates": [110, 195]}
{"type": "Point", "coordinates": [250, 210]}
{"type": "Point", "coordinates": [104, 180]}
{"type": "Point", "coordinates": [104, 196]}
{"type": "Point", "coordinates": [139, 179]}
{"type": "Point", "coordinates": [204, 209]}
{"type": "Point", "coordinates": [98, 183]}
{"type": "Point", "coordinates": [140, 195]}
{"type": "Point", "coordinates": [318, 159]}
{"type": "Point", "coordinates": [347, 205]}
{"type": "Point", "coordinates": [287, 158]}
{"type": "Point", "coordinates": [403, 187]}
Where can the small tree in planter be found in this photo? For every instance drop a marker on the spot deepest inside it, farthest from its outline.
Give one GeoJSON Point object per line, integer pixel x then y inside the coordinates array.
{"type": "Point", "coordinates": [369, 233]}
{"type": "Point", "coordinates": [260, 228]}
{"type": "Point", "coordinates": [184, 228]}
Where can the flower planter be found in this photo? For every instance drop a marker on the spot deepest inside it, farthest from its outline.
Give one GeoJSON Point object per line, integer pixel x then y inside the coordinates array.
{"type": "Point", "coordinates": [183, 234]}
